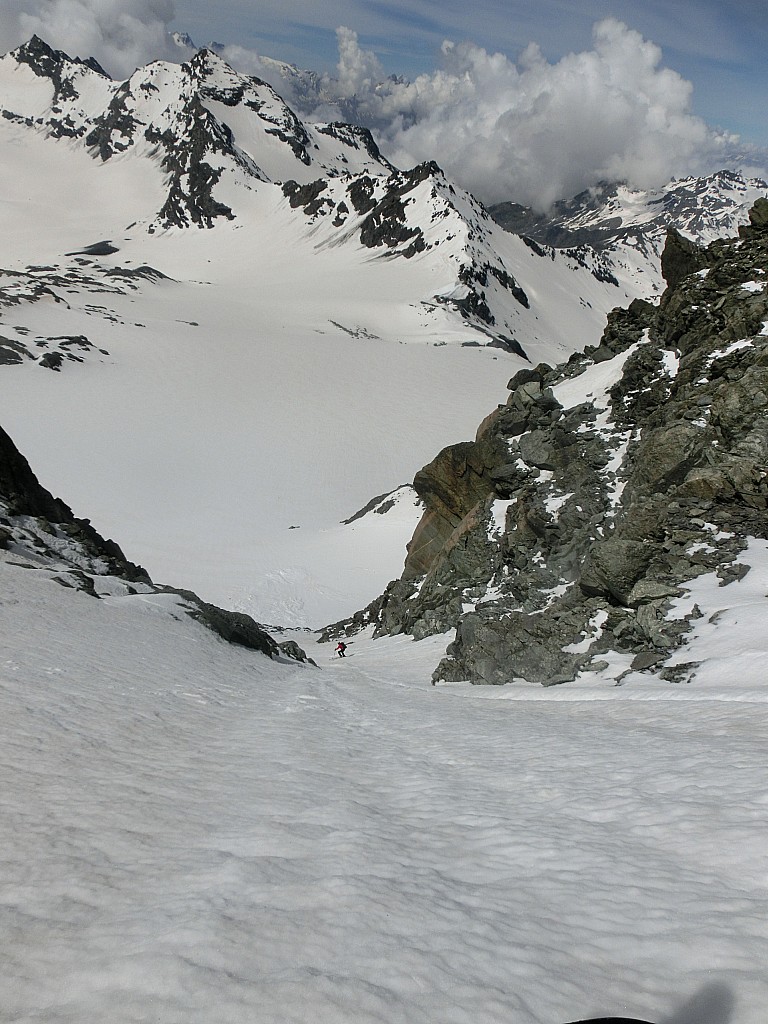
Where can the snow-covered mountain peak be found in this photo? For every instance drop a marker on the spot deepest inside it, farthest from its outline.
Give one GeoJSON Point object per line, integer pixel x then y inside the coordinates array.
{"type": "Point", "coordinates": [202, 121]}
{"type": "Point", "coordinates": [54, 64]}
{"type": "Point", "coordinates": [47, 89]}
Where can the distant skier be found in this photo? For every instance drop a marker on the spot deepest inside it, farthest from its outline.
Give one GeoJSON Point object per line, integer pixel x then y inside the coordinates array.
{"type": "Point", "coordinates": [341, 648]}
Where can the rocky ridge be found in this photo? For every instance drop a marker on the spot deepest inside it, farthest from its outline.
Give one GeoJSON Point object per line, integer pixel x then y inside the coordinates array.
{"type": "Point", "coordinates": [200, 120]}
{"type": "Point", "coordinates": [411, 212]}
{"type": "Point", "coordinates": [40, 533]}
{"type": "Point", "coordinates": [567, 528]}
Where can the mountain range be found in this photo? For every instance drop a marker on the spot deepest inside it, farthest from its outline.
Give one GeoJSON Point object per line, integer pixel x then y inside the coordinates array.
{"type": "Point", "coordinates": [230, 339]}
{"type": "Point", "coordinates": [255, 323]}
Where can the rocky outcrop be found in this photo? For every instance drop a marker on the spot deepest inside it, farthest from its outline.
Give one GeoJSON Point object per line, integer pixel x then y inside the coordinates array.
{"type": "Point", "coordinates": [41, 532]}
{"type": "Point", "coordinates": [22, 497]}
{"type": "Point", "coordinates": [681, 258]}
{"type": "Point", "coordinates": [564, 531]}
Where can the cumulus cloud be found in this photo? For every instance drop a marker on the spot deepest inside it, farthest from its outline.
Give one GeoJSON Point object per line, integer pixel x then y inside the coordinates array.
{"type": "Point", "coordinates": [121, 34]}
{"type": "Point", "coordinates": [535, 131]}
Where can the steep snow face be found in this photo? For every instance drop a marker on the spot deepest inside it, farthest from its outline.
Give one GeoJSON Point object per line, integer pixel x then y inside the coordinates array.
{"type": "Point", "coordinates": [193, 832]}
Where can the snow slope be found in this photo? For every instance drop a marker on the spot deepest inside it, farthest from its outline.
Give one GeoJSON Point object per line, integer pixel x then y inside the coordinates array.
{"type": "Point", "coordinates": [193, 832]}
{"type": "Point", "coordinates": [273, 372]}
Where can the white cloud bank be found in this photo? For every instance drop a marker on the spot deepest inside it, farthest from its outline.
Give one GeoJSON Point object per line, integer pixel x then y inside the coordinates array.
{"type": "Point", "coordinates": [121, 34]}
{"type": "Point", "coordinates": [530, 131]}
{"type": "Point", "coordinates": [536, 131]}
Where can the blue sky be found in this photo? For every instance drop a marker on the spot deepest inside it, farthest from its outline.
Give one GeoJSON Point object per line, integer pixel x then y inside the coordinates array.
{"type": "Point", "coordinates": [720, 47]}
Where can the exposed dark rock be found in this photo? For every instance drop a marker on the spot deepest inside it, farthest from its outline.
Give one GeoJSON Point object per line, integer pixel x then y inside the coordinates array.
{"type": "Point", "coordinates": [361, 193]}
{"type": "Point", "coordinates": [23, 495]}
{"type": "Point", "coordinates": [78, 580]}
{"type": "Point", "coordinates": [190, 196]}
{"type": "Point", "coordinates": [49, 63]}
{"type": "Point", "coordinates": [52, 361]}
{"type": "Point", "coordinates": [560, 535]}
{"type": "Point", "coordinates": [356, 136]}
{"type": "Point", "coordinates": [13, 352]}
{"type": "Point", "coordinates": [292, 650]}
{"type": "Point", "coordinates": [758, 217]}
{"type": "Point", "coordinates": [681, 258]}
{"type": "Point", "coordinates": [386, 225]}
{"type": "Point", "coordinates": [450, 487]}
{"type": "Point", "coordinates": [381, 504]}
{"type": "Point", "coordinates": [234, 627]}
{"type": "Point", "coordinates": [307, 196]}
{"type": "Point", "coordinates": [104, 248]}
{"type": "Point", "coordinates": [115, 130]}
{"type": "Point", "coordinates": [93, 64]}
{"type": "Point", "coordinates": [31, 519]}
{"type": "Point", "coordinates": [612, 568]}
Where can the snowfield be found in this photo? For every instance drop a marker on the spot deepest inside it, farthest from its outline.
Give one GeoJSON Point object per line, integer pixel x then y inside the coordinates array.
{"type": "Point", "coordinates": [194, 833]}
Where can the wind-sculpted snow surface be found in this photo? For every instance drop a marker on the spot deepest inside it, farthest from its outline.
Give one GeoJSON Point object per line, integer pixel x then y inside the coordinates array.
{"type": "Point", "coordinates": [194, 832]}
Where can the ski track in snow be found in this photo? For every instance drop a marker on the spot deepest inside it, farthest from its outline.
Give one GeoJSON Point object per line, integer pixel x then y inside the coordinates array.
{"type": "Point", "coordinates": [193, 833]}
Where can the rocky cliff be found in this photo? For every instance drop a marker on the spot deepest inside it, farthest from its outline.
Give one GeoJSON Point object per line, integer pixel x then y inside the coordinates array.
{"type": "Point", "coordinates": [566, 529]}
{"type": "Point", "coordinates": [40, 532]}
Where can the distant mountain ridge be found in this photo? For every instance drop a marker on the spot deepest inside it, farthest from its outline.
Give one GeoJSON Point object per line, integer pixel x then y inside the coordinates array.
{"type": "Point", "coordinates": [702, 208]}
{"type": "Point", "coordinates": [628, 225]}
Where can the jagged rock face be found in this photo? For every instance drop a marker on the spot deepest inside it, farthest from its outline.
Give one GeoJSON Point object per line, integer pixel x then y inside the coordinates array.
{"type": "Point", "coordinates": [601, 486]}
{"type": "Point", "coordinates": [450, 487]}
{"type": "Point", "coordinates": [41, 533]}
{"type": "Point", "coordinates": [681, 258]}
{"type": "Point", "coordinates": [201, 120]}
{"type": "Point", "coordinates": [24, 500]}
